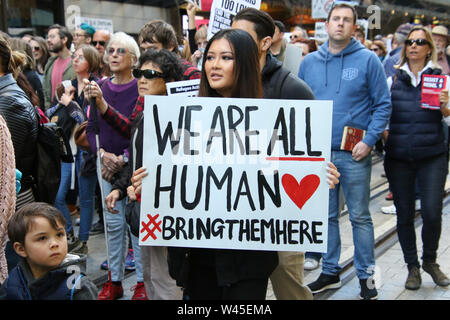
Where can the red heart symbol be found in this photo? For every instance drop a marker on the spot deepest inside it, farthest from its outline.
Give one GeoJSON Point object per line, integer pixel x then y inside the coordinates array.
{"type": "Point", "coordinates": [300, 192]}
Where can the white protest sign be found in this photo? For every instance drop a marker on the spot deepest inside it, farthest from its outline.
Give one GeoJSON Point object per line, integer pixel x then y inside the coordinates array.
{"type": "Point", "coordinates": [320, 8]}
{"type": "Point", "coordinates": [364, 24]}
{"type": "Point", "coordinates": [187, 88]}
{"type": "Point", "coordinates": [236, 173]}
{"type": "Point", "coordinates": [320, 32]}
{"type": "Point", "coordinates": [197, 3]}
{"type": "Point", "coordinates": [98, 24]}
{"type": "Point", "coordinates": [292, 58]}
{"type": "Point", "coordinates": [223, 12]}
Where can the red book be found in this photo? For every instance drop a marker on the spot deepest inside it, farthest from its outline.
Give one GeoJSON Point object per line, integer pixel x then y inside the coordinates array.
{"type": "Point", "coordinates": [350, 137]}
{"type": "Point", "coordinates": [432, 86]}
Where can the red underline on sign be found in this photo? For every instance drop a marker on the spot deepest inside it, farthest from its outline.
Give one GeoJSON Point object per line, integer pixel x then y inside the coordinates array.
{"type": "Point", "coordinates": [294, 159]}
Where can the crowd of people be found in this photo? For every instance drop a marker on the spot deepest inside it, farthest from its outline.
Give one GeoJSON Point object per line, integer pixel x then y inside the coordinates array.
{"type": "Point", "coordinates": [375, 86]}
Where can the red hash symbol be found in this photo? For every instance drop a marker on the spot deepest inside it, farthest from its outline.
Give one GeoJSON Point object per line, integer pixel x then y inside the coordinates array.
{"type": "Point", "coordinates": [146, 227]}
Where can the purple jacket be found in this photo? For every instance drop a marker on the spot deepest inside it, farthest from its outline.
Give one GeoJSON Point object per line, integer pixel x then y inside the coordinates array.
{"type": "Point", "coordinates": [123, 98]}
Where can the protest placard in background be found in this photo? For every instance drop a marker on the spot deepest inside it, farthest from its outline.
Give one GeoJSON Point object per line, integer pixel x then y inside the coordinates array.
{"type": "Point", "coordinates": [223, 12]}
{"type": "Point", "coordinates": [98, 24]}
{"type": "Point", "coordinates": [236, 173]}
{"type": "Point", "coordinates": [186, 88]}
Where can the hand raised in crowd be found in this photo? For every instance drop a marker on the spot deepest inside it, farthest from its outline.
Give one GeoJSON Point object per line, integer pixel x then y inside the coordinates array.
{"type": "Point", "coordinates": [191, 9]}
{"type": "Point", "coordinates": [68, 95]}
{"type": "Point", "coordinates": [92, 90]}
{"type": "Point", "coordinates": [111, 200]}
{"type": "Point", "coordinates": [333, 175]}
{"type": "Point", "coordinates": [136, 179]}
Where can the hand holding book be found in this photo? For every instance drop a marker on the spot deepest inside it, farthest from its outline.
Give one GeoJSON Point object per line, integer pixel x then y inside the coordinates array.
{"type": "Point", "coordinates": [443, 99]}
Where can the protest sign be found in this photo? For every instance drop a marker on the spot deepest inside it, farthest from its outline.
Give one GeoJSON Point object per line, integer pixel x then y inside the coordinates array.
{"type": "Point", "coordinates": [187, 88]}
{"type": "Point", "coordinates": [320, 34]}
{"type": "Point", "coordinates": [98, 24]}
{"type": "Point", "coordinates": [236, 173]}
{"type": "Point", "coordinates": [292, 58]}
{"type": "Point", "coordinates": [223, 12]}
{"type": "Point", "coordinates": [320, 8]}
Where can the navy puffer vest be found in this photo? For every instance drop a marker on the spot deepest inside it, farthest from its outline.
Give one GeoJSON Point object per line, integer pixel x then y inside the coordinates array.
{"type": "Point", "coordinates": [414, 133]}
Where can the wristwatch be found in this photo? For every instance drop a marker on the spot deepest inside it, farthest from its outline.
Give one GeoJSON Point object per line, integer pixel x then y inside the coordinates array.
{"type": "Point", "coordinates": [125, 158]}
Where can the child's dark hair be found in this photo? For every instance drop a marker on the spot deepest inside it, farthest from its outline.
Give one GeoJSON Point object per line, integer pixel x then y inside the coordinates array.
{"type": "Point", "coordinates": [22, 221]}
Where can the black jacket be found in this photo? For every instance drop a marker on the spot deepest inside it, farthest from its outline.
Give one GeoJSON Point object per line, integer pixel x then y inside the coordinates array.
{"type": "Point", "coordinates": [22, 120]}
{"type": "Point", "coordinates": [279, 83]}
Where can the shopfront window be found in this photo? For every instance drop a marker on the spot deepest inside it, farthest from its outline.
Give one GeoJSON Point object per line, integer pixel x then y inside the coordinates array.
{"type": "Point", "coordinates": [31, 16]}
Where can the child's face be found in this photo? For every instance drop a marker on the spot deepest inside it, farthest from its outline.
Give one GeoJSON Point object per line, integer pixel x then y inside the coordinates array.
{"type": "Point", "coordinates": [45, 247]}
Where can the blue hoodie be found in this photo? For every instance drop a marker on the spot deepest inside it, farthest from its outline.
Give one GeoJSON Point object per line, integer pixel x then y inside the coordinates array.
{"type": "Point", "coordinates": [355, 80]}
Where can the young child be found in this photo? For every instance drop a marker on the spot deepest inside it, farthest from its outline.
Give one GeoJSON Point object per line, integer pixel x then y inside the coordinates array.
{"type": "Point", "coordinates": [46, 272]}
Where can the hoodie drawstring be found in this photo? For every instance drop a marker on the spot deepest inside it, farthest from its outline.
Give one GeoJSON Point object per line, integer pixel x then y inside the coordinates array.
{"type": "Point", "coordinates": [340, 76]}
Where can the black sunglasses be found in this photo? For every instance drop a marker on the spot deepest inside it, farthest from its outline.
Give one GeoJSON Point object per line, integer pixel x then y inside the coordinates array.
{"type": "Point", "coordinates": [419, 42]}
{"type": "Point", "coordinates": [148, 74]}
{"type": "Point", "coordinates": [102, 43]}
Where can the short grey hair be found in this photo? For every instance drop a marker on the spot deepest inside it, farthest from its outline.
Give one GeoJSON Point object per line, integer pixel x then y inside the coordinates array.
{"type": "Point", "coordinates": [126, 41]}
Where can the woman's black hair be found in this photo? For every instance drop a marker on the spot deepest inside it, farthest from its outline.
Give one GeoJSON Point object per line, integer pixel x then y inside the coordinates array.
{"type": "Point", "coordinates": [247, 73]}
{"type": "Point", "coordinates": [167, 61]}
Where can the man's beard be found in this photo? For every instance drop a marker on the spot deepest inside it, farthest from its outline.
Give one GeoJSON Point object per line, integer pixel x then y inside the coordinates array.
{"type": "Point", "coordinates": [56, 48]}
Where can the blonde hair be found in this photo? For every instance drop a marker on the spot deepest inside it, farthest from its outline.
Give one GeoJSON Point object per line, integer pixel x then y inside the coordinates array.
{"type": "Point", "coordinates": [201, 33]}
{"type": "Point", "coordinates": [431, 57]}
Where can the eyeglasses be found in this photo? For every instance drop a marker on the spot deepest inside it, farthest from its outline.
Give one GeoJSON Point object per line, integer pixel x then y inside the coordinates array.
{"type": "Point", "coordinates": [80, 57]}
{"type": "Point", "coordinates": [419, 42]}
{"type": "Point", "coordinates": [148, 74]}
{"type": "Point", "coordinates": [102, 43]}
{"type": "Point", "coordinates": [120, 51]}
{"type": "Point", "coordinates": [36, 48]}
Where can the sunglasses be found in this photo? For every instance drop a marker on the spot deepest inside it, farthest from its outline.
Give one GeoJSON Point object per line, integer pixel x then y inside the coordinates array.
{"type": "Point", "coordinates": [36, 48]}
{"type": "Point", "coordinates": [79, 57]}
{"type": "Point", "coordinates": [120, 51]}
{"type": "Point", "coordinates": [419, 42]}
{"type": "Point", "coordinates": [102, 43]}
{"type": "Point", "coordinates": [375, 49]}
{"type": "Point", "coordinates": [148, 74]}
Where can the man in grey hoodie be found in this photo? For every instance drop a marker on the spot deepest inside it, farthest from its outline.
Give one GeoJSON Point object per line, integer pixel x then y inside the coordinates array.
{"type": "Point", "coordinates": [345, 72]}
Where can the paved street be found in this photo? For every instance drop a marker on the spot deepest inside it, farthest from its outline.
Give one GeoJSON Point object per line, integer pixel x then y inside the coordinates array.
{"type": "Point", "coordinates": [391, 269]}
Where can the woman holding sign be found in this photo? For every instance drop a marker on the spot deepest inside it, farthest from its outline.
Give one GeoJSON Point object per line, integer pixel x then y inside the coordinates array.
{"type": "Point", "coordinates": [416, 148]}
{"type": "Point", "coordinates": [230, 69]}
